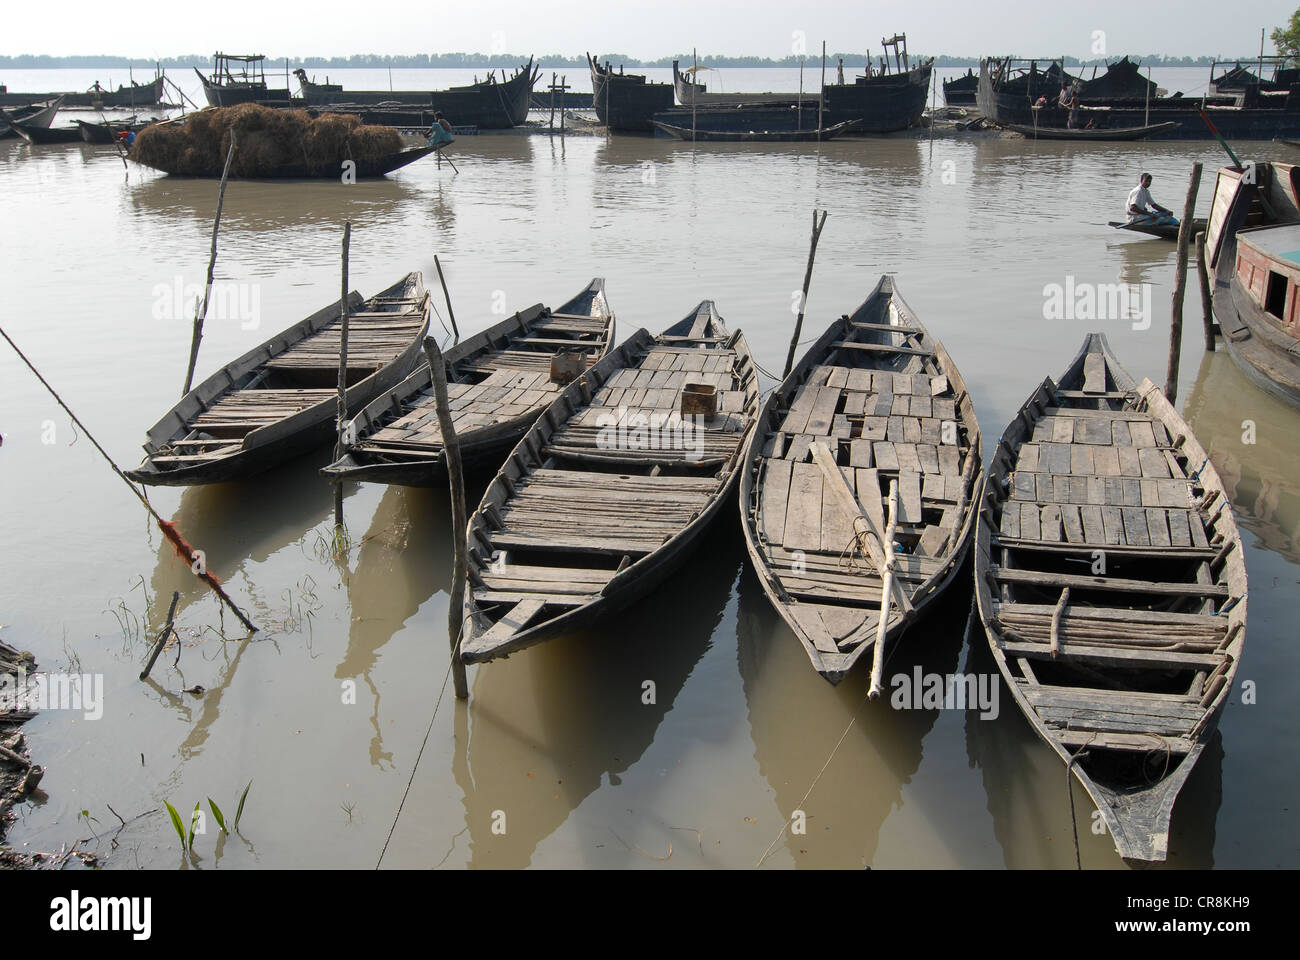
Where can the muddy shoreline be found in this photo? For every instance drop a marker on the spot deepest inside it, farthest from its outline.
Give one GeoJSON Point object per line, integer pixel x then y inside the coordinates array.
{"type": "Point", "coordinates": [18, 775]}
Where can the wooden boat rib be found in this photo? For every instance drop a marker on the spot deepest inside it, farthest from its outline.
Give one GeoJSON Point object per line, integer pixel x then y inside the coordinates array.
{"type": "Point", "coordinates": [498, 384]}
{"type": "Point", "coordinates": [1123, 671]}
{"type": "Point", "coordinates": [1095, 134]}
{"type": "Point", "coordinates": [876, 389]}
{"type": "Point", "coordinates": [758, 136]}
{"type": "Point", "coordinates": [281, 398]}
{"type": "Point", "coordinates": [595, 506]}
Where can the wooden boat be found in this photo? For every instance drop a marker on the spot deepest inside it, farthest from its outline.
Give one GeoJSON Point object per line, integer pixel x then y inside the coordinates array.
{"type": "Point", "coordinates": [877, 390]}
{"type": "Point", "coordinates": [281, 398]}
{"type": "Point", "coordinates": [1164, 229]}
{"type": "Point", "coordinates": [47, 135]}
{"type": "Point", "coordinates": [365, 169]}
{"type": "Point", "coordinates": [1250, 246]}
{"type": "Point", "coordinates": [690, 93]}
{"type": "Point", "coordinates": [33, 116]}
{"type": "Point", "coordinates": [1099, 134]}
{"type": "Point", "coordinates": [758, 136]}
{"type": "Point", "coordinates": [626, 103]}
{"type": "Point", "coordinates": [610, 490]}
{"type": "Point", "coordinates": [1122, 670]}
{"type": "Point", "coordinates": [108, 131]}
{"type": "Point", "coordinates": [237, 78]}
{"type": "Point", "coordinates": [491, 104]}
{"type": "Point", "coordinates": [498, 382]}
{"type": "Point", "coordinates": [136, 95]}
{"type": "Point", "coordinates": [960, 91]}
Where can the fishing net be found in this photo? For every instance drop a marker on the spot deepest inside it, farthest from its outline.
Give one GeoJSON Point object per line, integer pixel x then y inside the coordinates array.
{"type": "Point", "coordinates": [267, 142]}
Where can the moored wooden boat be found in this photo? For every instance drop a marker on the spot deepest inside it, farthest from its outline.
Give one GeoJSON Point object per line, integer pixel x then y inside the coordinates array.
{"type": "Point", "coordinates": [46, 135]}
{"type": "Point", "coordinates": [1251, 245]}
{"type": "Point", "coordinates": [136, 95]}
{"type": "Point", "coordinates": [611, 488]}
{"type": "Point", "coordinates": [626, 102]}
{"type": "Point", "coordinates": [890, 404]}
{"type": "Point", "coordinates": [365, 169]}
{"type": "Point", "coordinates": [281, 398]}
{"type": "Point", "coordinates": [1100, 134]}
{"type": "Point", "coordinates": [1122, 669]}
{"type": "Point", "coordinates": [498, 383]}
{"type": "Point", "coordinates": [758, 136]}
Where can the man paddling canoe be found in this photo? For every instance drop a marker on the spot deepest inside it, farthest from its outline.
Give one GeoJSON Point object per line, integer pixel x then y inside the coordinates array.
{"type": "Point", "coordinates": [1139, 200]}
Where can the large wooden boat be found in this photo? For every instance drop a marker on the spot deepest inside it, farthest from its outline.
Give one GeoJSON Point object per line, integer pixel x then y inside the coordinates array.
{"type": "Point", "coordinates": [490, 104]}
{"type": "Point", "coordinates": [281, 398]}
{"type": "Point", "coordinates": [960, 91]}
{"type": "Point", "coordinates": [97, 97]}
{"type": "Point", "coordinates": [690, 93]}
{"type": "Point", "coordinates": [365, 169]}
{"type": "Point", "coordinates": [1095, 134]}
{"type": "Point", "coordinates": [498, 383]}
{"type": "Point", "coordinates": [240, 78]}
{"type": "Point", "coordinates": [1252, 245]}
{"type": "Point", "coordinates": [762, 135]}
{"type": "Point", "coordinates": [1111, 584]}
{"type": "Point", "coordinates": [1013, 91]}
{"type": "Point", "coordinates": [890, 405]}
{"type": "Point", "coordinates": [611, 489]}
{"type": "Point", "coordinates": [626, 102]}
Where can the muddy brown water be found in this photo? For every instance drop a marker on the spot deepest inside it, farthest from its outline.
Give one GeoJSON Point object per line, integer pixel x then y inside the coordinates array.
{"type": "Point", "coordinates": [557, 760]}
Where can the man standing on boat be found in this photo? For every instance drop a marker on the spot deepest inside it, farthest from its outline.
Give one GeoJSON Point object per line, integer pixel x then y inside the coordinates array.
{"type": "Point", "coordinates": [440, 132]}
{"type": "Point", "coordinates": [1139, 199]}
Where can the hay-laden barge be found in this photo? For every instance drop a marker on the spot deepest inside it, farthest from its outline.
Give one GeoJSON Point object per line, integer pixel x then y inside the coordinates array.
{"type": "Point", "coordinates": [272, 143]}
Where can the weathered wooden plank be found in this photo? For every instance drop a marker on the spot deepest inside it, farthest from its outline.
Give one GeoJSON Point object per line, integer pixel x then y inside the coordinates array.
{"type": "Point", "coordinates": [1094, 530]}
{"type": "Point", "coordinates": [773, 496]}
{"type": "Point", "coordinates": [804, 508]}
{"type": "Point", "coordinates": [1030, 528]}
{"type": "Point", "coordinates": [909, 496]}
{"type": "Point", "coordinates": [1135, 526]}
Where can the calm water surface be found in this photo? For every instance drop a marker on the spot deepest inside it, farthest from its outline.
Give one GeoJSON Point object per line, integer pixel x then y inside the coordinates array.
{"type": "Point", "coordinates": [555, 745]}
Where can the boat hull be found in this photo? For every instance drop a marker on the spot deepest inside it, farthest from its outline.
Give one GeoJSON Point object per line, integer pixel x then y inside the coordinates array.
{"type": "Point", "coordinates": [139, 95]}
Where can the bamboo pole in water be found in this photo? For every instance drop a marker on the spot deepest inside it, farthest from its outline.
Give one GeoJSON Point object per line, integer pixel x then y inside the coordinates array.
{"type": "Point", "coordinates": [1180, 283]}
{"type": "Point", "coordinates": [821, 98]}
{"type": "Point", "coordinates": [886, 588]}
{"type": "Point", "coordinates": [803, 299]}
{"type": "Point", "coordinates": [456, 479]}
{"type": "Point", "coordinates": [447, 296]}
{"type": "Point", "coordinates": [201, 313]}
{"type": "Point", "coordinates": [343, 374]}
{"type": "Point", "coordinates": [1207, 301]}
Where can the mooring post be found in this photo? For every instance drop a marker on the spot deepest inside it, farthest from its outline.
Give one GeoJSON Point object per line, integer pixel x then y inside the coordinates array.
{"type": "Point", "coordinates": [803, 300]}
{"type": "Point", "coordinates": [1180, 283]}
{"type": "Point", "coordinates": [456, 479]}
{"type": "Point", "coordinates": [1207, 300]}
{"type": "Point", "coordinates": [821, 95]}
{"type": "Point", "coordinates": [343, 375]}
{"type": "Point", "coordinates": [552, 121]}
{"type": "Point", "coordinates": [447, 296]}
{"type": "Point", "coordinates": [695, 79]}
{"type": "Point", "coordinates": [201, 313]}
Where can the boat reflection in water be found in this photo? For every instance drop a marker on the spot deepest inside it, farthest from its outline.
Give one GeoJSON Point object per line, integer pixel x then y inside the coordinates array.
{"type": "Point", "coordinates": [545, 730]}
{"type": "Point", "coordinates": [796, 718]}
{"type": "Point", "coordinates": [1250, 436]}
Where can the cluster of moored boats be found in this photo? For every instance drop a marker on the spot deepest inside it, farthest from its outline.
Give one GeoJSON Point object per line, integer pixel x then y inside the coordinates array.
{"type": "Point", "coordinates": [1108, 568]}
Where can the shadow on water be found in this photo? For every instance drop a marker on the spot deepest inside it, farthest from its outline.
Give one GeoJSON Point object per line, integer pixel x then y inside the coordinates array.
{"type": "Point", "coordinates": [1026, 785]}
{"type": "Point", "coordinates": [1250, 437]}
{"type": "Point", "coordinates": [1144, 260]}
{"type": "Point", "coordinates": [796, 718]}
{"type": "Point", "coordinates": [551, 725]}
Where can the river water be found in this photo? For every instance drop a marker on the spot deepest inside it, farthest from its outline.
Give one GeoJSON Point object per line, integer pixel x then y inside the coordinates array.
{"type": "Point", "coordinates": [557, 760]}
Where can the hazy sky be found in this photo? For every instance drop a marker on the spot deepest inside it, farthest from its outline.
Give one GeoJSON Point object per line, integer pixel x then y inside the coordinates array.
{"type": "Point", "coordinates": [642, 29]}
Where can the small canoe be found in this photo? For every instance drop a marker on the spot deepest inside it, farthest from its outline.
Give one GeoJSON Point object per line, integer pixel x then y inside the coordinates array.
{"type": "Point", "coordinates": [888, 402]}
{"type": "Point", "coordinates": [612, 487]}
{"type": "Point", "coordinates": [498, 381]}
{"type": "Point", "coordinates": [1112, 588]}
{"type": "Point", "coordinates": [1100, 134]}
{"type": "Point", "coordinates": [280, 399]}
{"type": "Point", "coordinates": [109, 132]}
{"type": "Point", "coordinates": [1164, 229]}
{"type": "Point", "coordinates": [758, 136]}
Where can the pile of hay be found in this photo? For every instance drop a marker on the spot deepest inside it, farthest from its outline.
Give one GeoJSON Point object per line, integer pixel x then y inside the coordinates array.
{"type": "Point", "coordinates": [267, 141]}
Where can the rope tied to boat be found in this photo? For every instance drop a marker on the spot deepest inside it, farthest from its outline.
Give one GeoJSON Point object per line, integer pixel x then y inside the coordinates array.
{"type": "Point", "coordinates": [1069, 790]}
{"type": "Point", "coordinates": [1196, 477]}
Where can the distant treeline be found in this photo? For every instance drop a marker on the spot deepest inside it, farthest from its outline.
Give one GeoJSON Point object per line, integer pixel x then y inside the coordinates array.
{"type": "Point", "coordinates": [486, 61]}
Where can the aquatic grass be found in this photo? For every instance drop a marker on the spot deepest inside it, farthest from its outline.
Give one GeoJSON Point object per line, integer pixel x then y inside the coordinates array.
{"type": "Point", "coordinates": [194, 819]}
{"type": "Point", "coordinates": [176, 822]}
{"type": "Point", "coordinates": [239, 812]}
{"type": "Point", "coordinates": [216, 815]}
